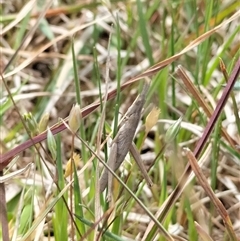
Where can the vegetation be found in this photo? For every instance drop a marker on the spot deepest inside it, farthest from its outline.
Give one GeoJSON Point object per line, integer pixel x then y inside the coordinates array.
{"type": "Point", "coordinates": [70, 70]}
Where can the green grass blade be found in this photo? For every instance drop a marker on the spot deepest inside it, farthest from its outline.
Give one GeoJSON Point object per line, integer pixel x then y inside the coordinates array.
{"type": "Point", "coordinates": [144, 33]}
{"type": "Point", "coordinates": [77, 203]}
{"type": "Point", "coordinates": [60, 218]}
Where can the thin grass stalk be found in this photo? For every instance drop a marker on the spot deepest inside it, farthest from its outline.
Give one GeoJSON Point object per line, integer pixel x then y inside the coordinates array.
{"type": "Point", "coordinates": [173, 85]}
{"type": "Point", "coordinates": [78, 95]}
{"type": "Point", "coordinates": [60, 228]}
{"type": "Point", "coordinates": [72, 231]}
{"type": "Point", "coordinates": [3, 213]}
{"type": "Point", "coordinates": [190, 217]}
{"type": "Point", "coordinates": [215, 153]}
{"type": "Point", "coordinates": [119, 73]}
{"type": "Point", "coordinates": [78, 209]}
{"type": "Point", "coordinates": [22, 31]}
{"type": "Point", "coordinates": [144, 33]}
{"type": "Point", "coordinates": [205, 48]}
{"type": "Point", "coordinates": [75, 71]}
{"type": "Point", "coordinates": [101, 130]}
{"type": "Point", "coordinates": [202, 233]}
{"type": "Point", "coordinates": [234, 103]}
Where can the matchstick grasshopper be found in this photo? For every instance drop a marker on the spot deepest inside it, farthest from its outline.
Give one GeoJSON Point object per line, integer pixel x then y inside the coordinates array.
{"type": "Point", "coordinates": [123, 142]}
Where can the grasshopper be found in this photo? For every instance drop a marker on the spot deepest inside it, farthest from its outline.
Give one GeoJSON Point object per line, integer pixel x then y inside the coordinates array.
{"type": "Point", "coordinates": [123, 142]}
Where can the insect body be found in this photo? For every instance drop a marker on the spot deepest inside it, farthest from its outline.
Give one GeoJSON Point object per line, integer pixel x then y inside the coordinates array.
{"type": "Point", "coordinates": [123, 140]}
